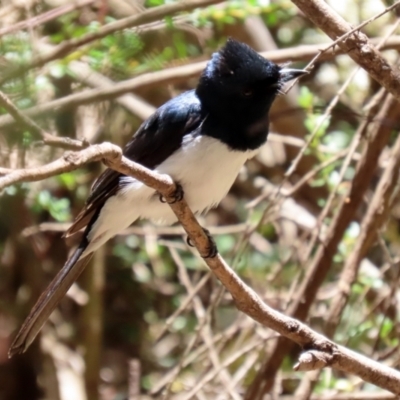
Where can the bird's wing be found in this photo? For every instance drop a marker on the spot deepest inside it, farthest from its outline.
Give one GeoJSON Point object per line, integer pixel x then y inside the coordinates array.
{"type": "Point", "coordinates": [155, 140]}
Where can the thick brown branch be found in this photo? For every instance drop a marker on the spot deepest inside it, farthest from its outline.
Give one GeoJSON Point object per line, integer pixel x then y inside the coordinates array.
{"type": "Point", "coordinates": [356, 45]}
{"type": "Point", "coordinates": [320, 265]}
{"type": "Point", "coordinates": [245, 298]}
{"type": "Point", "coordinates": [69, 162]}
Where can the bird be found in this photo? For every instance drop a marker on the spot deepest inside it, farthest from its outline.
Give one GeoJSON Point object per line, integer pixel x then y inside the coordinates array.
{"type": "Point", "coordinates": [201, 138]}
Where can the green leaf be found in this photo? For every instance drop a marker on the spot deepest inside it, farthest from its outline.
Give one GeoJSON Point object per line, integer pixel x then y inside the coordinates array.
{"type": "Point", "coordinates": [59, 209]}
{"type": "Point", "coordinates": [306, 98]}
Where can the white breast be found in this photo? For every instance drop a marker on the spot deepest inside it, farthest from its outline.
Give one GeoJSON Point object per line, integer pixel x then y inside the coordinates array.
{"type": "Point", "coordinates": [205, 167]}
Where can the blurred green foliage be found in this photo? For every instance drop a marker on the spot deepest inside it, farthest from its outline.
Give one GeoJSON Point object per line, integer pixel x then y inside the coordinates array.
{"type": "Point", "coordinates": [142, 288]}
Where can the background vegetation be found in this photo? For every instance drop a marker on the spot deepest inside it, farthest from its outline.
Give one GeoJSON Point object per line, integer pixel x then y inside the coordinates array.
{"type": "Point", "coordinates": [147, 319]}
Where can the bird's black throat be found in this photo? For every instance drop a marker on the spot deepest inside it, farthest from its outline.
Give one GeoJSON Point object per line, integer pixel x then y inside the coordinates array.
{"type": "Point", "coordinates": [239, 134]}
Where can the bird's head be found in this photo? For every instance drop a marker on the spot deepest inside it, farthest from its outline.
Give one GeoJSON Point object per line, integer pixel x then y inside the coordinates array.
{"type": "Point", "coordinates": [238, 80]}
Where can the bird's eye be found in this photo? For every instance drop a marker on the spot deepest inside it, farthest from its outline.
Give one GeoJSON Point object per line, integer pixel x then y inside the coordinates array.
{"type": "Point", "coordinates": [247, 92]}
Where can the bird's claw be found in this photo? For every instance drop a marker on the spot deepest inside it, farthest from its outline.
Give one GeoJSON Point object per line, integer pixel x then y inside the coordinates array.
{"type": "Point", "coordinates": [212, 249]}
{"type": "Point", "coordinates": [175, 197]}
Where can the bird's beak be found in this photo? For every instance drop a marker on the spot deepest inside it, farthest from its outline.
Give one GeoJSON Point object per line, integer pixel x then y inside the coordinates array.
{"type": "Point", "coordinates": [287, 74]}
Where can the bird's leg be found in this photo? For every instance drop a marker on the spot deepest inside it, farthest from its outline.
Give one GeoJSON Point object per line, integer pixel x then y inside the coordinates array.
{"type": "Point", "coordinates": [212, 246]}
{"type": "Point", "coordinates": [178, 196]}
{"type": "Point", "coordinates": [175, 197]}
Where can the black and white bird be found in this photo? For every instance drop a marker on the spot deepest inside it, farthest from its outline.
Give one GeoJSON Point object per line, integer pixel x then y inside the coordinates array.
{"type": "Point", "coordinates": [200, 138]}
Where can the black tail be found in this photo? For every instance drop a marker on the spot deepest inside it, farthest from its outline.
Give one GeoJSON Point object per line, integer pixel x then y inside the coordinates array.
{"type": "Point", "coordinates": [49, 300]}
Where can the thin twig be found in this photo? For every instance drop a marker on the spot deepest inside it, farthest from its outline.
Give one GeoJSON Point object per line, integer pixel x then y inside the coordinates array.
{"type": "Point", "coordinates": [45, 17]}
{"type": "Point", "coordinates": [134, 379]}
{"type": "Point", "coordinates": [67, 46]}
{"type": "Point", "coordinates": [205, 331]}
{"type": "Point", "coordinates": [36, 130]}
{"type": "Point", "coordinates": [319, 266]}
{"type": "Point", "coordinates": [132, 230]}
{"type": "Point", "coordinates": [376, 215]}
{"type": "Point", "coordinates": [175, 74]}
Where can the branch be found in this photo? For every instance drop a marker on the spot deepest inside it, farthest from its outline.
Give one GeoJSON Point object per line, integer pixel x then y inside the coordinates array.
{"type": "Point", "coordinates": [177, 74]}
{"type": "Point", "coordinates": [377, 213]}
{"type": "Point", "coordinates": [137, 230]}
{"type": "Point", "coordinates": [150, 15]}
{"type": "Point", "coordinates": [134, 104]}
{"type": "Point", "coordinates": [36, 130]}
{"type": "Point", "coordinates": [45, 17]}
{"type": "Point", "coordinates": [69, 162]}
{"type": "Point", "coordinates": [317, 270]}
{"type": "Point", "coordinates": [355, 43]}
{"type": "Point", "coordinates": [246, 299]}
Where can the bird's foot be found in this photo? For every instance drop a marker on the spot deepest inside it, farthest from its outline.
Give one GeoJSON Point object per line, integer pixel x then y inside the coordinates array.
{"type": "Point", "coordinates": [174, 197]}
{"type": "Point", "coordinates": [212, 249]}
